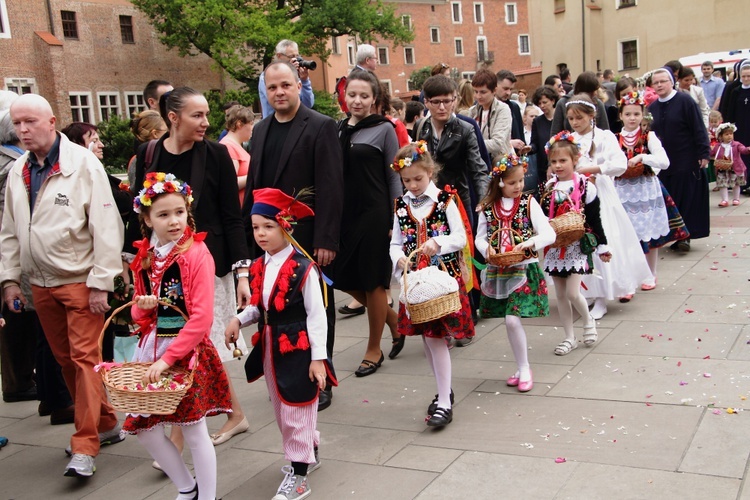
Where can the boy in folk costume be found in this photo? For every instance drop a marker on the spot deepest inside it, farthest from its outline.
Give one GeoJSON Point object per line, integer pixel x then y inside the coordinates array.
{"type": "Point", "coordinates": [290, 346]}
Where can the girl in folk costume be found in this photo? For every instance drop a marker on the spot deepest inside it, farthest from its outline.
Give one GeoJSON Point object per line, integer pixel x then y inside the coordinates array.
{"type": "Point", "coordinates": [177, 269]}
{"type": "Point", "coordinates": [651, 210]}
{"type": "Point", "coordinates": [518, 291]}
{"type": "Point", "coordinates": [567, 265]}
{"type": "Point", "coordinates": [290, 346]}
{"type": "Point", "coordinates": [602, 157]}
{"type": "Point", "coordinates": [714, 120]}
{"type": "Point", "coordinates": [728, 151]}
{"type": "Point", "coordinates": [430, 219]}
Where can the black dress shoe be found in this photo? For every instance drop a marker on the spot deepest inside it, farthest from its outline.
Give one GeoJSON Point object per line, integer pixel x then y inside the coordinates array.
{"type": "Point", "coordinates": [63, 416]}
{"type": "Point", "coordinates": [324, 398]}
{"type": "Point", "coordinates": [352, 311]}
{"type": "Point", "coordinates": [14, 397]}
{"type": "Point", "coordinates": [441, 417]}
{"type": "Point", "coordinates": [44, 409]}
{"type": "Point", "coordinates": [433, 406]}
{"type": "Point", "coordinates": [681, 246]}
{"type": "Point", "coordinates": [398, 345]}
{"type": "Point", "coordinates": [369, 367]}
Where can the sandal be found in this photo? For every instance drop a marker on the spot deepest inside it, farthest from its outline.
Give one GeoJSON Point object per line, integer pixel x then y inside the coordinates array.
{"type": "Point", "coordinates": [565, 347]}
{"type": "Point", "coordinates": [589, 334]}
{"type": "Point", "coordinates": [724, 203]}
{"type": "Point", "coordinates": [735, 202]}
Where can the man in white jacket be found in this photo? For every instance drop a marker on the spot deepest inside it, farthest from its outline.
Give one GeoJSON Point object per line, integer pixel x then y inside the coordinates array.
{"type": "Point", "coordinates": [61, 228]}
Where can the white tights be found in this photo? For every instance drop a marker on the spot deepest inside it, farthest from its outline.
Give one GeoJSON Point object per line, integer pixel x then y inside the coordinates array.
{"type": "Point", "coordinates": [204, 458]}
{"type": "Point", "coordinates": [439, 359]}
{"type": "Point", "coordinates": [735, 193]}
{"type": "Point", "coordinates": [568, 293]}
{"type": "Point", "coordinates": [652, 257]}
{"type": "Point", "coordinates": [517, 340]}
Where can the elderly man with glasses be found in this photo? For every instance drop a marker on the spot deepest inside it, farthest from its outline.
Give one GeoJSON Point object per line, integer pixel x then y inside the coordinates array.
{"type": "Point", "coordinates": [287, 51]}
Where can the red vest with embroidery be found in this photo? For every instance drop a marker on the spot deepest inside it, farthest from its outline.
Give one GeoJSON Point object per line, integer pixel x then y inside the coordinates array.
{"type": "Point", "coordinates": [520, 220]}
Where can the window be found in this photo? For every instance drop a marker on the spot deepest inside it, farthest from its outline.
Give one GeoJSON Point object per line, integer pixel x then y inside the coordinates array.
{"type": "Point", "coordinates": [406, 21]}
{"type": "Point", "coordinates": [628, 54]}
{"type": "Point", "coordinates": [80, 107]}
{"type": "Point", "coordinates": [335, 49]}
{"type": "Point", "coordinates": [383, 55]}
{"type": "Point", "coordinates": [510, 13]}
{"type": "Point", "coordinates": [134, 103]}
{"type": "Point", "coordinates": [456, 12]}
{"type": "Point", "coordinates": [109, 105]}
{"type": "Point", "coordinates": [468, 75]}
{"type": "Point", "coordinates": [559, 6]}
{"type": "Point", "coordinates": [523, 45]}
{"type": "Point", "coordinates": [126, 29]}
{"type": "Point", "coordinates": [4, 24]}
{"type": "Point", "coordinates": [21, 85]}
{"type": "Point", "coordinates": [70, 25]}
{"type": "Point", "coordinates": [482, 54]}
{"type": "Point", "coordinates": [621, 4]}
{"type": "Point", "coordinates": [350, 53]}
{"type": "Point", "coordinates": [459, 43]}
{"type": "Point", "coordinates": [478, 13]}
{"type": "Point", "coordinates": [410, 86]}
{"type": "Point", "coordinates": [387, 84]}
{"type": "Point", "coordinates": [409, 55]}
{"type": "Point", "coordinates": [435, 35]}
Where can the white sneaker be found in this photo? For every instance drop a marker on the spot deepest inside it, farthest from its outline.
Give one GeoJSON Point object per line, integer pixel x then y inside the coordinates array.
{"type": "Point", "coordinates": [80, 466]}
{"type": "Point", "coordinates": [599, 309]}
{"type": "Point", "coordinates": [292, 487]}
{"type": "Point", "coordinates": [113, 436]}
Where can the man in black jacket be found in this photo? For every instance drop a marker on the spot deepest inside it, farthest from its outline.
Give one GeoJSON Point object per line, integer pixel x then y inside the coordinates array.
{"type": "Point", "coordinates": [506, 81]}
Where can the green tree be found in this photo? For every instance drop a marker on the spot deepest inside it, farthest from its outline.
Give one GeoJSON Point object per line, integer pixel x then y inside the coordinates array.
{"type": "Point", "coordinates": [240, 35]}
{"type": "Point", "coordinates": [418, 76]}
{"type": "Point", "coordinates": [118, 144]}
{"type": "Point", "coordinates": [327, 104]}
{"type": "Point", "coordinates": [216, 101]}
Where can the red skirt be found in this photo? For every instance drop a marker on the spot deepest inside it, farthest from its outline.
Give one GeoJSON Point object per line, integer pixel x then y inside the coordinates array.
{"type": "Point", "coordinates": [209, 394]}
{"type": "Point", "coordinates": [458, 325]}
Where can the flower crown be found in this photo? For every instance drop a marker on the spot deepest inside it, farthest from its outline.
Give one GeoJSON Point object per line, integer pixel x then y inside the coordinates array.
{"type": "Point", "coordinates": [581, 101]}
{"type": "Point", "coordinates": [157, 183]}
{"type": "Point", "coordinates": [509, 161]}
{"type": "Point", "coordinates": [724, 126]}
{"type": "Point", "coordinates": [631, 98]}
{"type": "Point", "coordinates": [402, 163]}
{"type": "Point", "coordinates": [563, 135]}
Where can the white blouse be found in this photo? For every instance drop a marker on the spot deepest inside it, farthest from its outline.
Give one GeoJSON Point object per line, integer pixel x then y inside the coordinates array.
{"type": "Point", "coordinates": [607, 153]}
{"type": "Point", "coordinates": [657, 158]}
{"type": "Point", "coordinates": [449, 243]}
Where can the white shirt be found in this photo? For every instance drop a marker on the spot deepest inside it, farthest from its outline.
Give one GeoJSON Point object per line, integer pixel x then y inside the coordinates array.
{"type": "Point", "coordinates": [607, 153]}
{"type": "Point", "coordinates": [317, 325]}
{"type": "Point", "coordinates": [543, 237]}
{"type": "Point", "coordinates": [448, 243]}
{"type": "Point", "coordinates": [657, 158]}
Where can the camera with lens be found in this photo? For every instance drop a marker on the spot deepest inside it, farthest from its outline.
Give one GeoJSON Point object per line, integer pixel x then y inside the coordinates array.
{"type": "Point", "coordinates": [311, 65]}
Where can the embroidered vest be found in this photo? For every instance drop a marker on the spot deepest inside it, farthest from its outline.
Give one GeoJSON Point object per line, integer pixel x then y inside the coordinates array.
{"type": "Point", "coordinates": [287, 317]}
{"type": "Point", "coordinates": [565, 204]}
{"type": "Point", "coordinates": [168, 321]}
{"type": "Point", "coordinates": [414, 233]}
{"type": "Point", "coordinates": [520, 221]}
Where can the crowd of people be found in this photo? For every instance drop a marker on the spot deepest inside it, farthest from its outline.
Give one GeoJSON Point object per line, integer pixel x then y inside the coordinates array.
{"type": "Point", "coordinates": [282, 211]}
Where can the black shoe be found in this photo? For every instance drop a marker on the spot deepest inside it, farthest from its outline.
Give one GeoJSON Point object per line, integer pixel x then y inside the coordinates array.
{"type": "Point", "coordinates": [14, 397]}
{"type": "Point", "coordinates": [463, 342]}
{"type": "Point", "coordinates": [398, 345]}
{"type": "Point", "coordinates": [433, 406]}
{"type": "Point", "coordinates": [441, 417]}
{"type": "Point", "coordinates": [63, 416]}
{"type": "Point", "coordinates": [44, 409]}
{"type": "Point", "coordinates": [324, 398]}
{"type": "Point", "coordinates": [369, 367]}
{"type": "Point", "coordinates": [681, 246]}
{"type": "Point", "coordinates": [348, 311]}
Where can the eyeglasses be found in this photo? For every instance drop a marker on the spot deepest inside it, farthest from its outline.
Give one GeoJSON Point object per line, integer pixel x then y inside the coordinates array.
{"type": "Point", "coordinates": [438, 102]}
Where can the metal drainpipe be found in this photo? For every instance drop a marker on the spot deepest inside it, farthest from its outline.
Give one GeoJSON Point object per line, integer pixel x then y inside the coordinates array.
{"type": "Point", "coordinates": [583, 31]}
{"type": "Point", "coordinates": [50, 19]}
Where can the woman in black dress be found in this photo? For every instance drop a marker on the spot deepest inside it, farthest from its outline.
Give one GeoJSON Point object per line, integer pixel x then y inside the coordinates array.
{"type": "Point", "coordinates": [363, 268]}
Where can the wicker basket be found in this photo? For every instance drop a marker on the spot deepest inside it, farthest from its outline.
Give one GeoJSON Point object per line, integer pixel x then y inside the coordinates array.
{"type": "Point", "coordinates": [505, 259]}
{"type": "Point", "coordinates": [128, 375]}
{"type": "Point", "coordinates": [432, 309]}
{"type": "Point", "coordinates": [569, 227]}
{"type": "Point", "coordinates": [723, 165]}
{"type": "Point", "coordinates": [633, 172]}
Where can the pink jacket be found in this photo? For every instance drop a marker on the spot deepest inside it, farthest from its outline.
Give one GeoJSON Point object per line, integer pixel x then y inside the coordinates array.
{"type": "Point", "coordinates": [737, 149]}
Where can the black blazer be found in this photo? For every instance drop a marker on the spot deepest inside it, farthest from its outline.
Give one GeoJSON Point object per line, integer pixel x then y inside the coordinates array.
{"type": "Point", "coordinates": [216, 206]}
{"type": "Point", "coordinates": [311, 157]}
